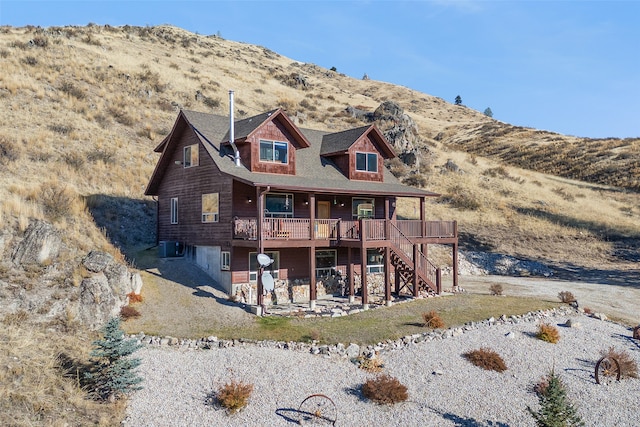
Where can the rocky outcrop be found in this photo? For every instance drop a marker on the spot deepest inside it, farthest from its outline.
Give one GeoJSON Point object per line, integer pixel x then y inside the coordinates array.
{"type": "Point", "coordinates": [41, 244]}
{"type": "Point", "coordinates": [39, 277]}
{"type": "Point", "coordinates": [104, 292]}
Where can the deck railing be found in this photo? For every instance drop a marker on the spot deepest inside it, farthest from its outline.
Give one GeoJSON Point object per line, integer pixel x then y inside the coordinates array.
{"type": "Point", "coordinates": [336, 229]}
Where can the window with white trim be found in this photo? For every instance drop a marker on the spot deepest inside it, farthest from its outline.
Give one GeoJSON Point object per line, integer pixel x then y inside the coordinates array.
{"type": "Point", "coordinates": [367, 162]}
{"type": "Point", "coordinates": [278, 205]}
{"type": "Point", "coordinates": [225, 260]}
{"type": "Point", "coordinates": [326, 263]}
{"type": "Point", "coordinates": [191, 156]}
{"type": "Point", "coordinates": [210, 207]}
{"type": "Point", "coordinates": [274, 151]}
{"type": "Point", "coordinates": [273, 268]}
{"type": "Point", "coordinates": [375, 261]}
{"type": "Point", "coordinates": [174, 210]}
{"type": "Point", "coordinates": [362, 208]}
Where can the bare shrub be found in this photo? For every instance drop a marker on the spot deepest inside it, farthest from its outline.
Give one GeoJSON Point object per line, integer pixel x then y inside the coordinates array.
{"type": "Point", "coordinates": [461, 199]}
{"type": "Point", "coordinates": [416, 180]}
{"type": "Point", "coordinates": [371, 364]}
{"type": "Point", "coordinates": [234, 395]}
{"type": "Point", "coordinates": [30, 60]}
{"type": "Point", "coordinates": [628, 366]}
{"type": "Point", "coordinates": [385, 389]}
{"type": "Point", "coordinates": [103, 155]}
{"type": "Point", "coordinates": [566, 297]}
{"type": "Point", "coordinates": [432, 320]}
{"type": "Point", "coordinates": [57, 200]}
{"type": "Point", "coordinates": [8, 151]}
{"type": "Point", "coordinates": [486, 358]}
{"type": "Point", "coordinates": [74, 159]}
{"type": "Point", "coordinates": [211, 102]}
{"type": "Point", "coordinates": [134, 298]}
{"type": "Point", "coordinates": [496, 289]}
{"type": "Point", "coordinates": [70, 89]}
{"type": "Point", "coordinates": [62, 129]}
{"type": "Point", "coordinates": [547, 332]}
{"type": "Point", "coordinates": [397, 167]}
{"type": "Point", "coordinates": [121, 116]}
{"type": "Point", "coordinates": [127, 312]}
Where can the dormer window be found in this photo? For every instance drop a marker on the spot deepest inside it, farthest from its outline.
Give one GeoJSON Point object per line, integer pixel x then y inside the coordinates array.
{"type": "Point", "coordinates": [191, 156]}
{"type": "Point", "coordinates": [367, 162]}
{"type": "Point", "coordinates": [274, 151]}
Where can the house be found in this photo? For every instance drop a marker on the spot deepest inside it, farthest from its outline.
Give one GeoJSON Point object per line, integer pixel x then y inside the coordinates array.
{"type": "Point", "coordinates": [321, 205]}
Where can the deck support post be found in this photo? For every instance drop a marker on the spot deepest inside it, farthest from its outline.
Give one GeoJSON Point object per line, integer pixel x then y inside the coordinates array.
{"type": "Point", "coordinates": [350, 270]}
{"type": "Point", "coordinates": [363, 265]}
{"type": "Point", "coordinates": [387, 276]}
{"type": "Point", "coordinates": [313, 291]}
{"type": "Point", "coordinates": [415, 271]}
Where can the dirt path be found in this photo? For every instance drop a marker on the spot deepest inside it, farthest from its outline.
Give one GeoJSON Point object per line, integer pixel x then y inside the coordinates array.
{"type": "Point", "coordinates": [619, 302]}
{"type": "Point", "coordinates": [182, 301]}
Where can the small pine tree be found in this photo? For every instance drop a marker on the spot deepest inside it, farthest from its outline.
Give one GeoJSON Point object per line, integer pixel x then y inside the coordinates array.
{"type": "Point", "coordinates": [458, 100]}
{"type": "Point", "coordinates": [555, 408]}
{"type": "Point", "coordinates": [488, 112]}
{"type": "Point", "coordinates": [112, 375]}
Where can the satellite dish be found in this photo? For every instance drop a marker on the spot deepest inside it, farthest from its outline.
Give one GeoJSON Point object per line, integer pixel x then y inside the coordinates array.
{"type": "Point", "coordinates": [267, 281]}
{"type": "Point", "coordinates": [264, 260]}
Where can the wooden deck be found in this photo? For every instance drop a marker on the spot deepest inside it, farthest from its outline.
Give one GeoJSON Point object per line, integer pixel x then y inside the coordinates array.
{"type": "Point", "coordinates": [345, 231]}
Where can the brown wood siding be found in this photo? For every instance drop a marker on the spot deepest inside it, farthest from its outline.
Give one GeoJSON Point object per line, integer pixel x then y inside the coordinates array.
{"type": "Point", "coordinates": [342, 162]}
{"type": "Point", "coordinates": [365, 145]}
{"type": "Point", "coordinates": [188, 185]}
{"type": "Point", "coordinates": [273, 131]}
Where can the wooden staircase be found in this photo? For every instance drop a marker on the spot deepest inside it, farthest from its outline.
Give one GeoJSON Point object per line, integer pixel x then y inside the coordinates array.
{"type": "Point", "coordinates": [413, 269]}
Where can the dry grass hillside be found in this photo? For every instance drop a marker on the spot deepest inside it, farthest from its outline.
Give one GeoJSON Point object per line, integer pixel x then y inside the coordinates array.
{"type": "Point", "coordinates": [84, 106]}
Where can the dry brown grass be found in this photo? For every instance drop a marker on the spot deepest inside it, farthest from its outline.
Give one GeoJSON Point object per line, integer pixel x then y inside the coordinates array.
{"type": "Point", "coordinates": [385, 390]}
{"type": "Point", "coordinates": [234, 395]}
{"type": "Point", "coordinates": [548, 332]}
{"type": "Point", "coordinates": [628, 365]}
{"type": "Point", "coordinates": [433, 320]}
{"type": "Point", "coordinates": [40, 371]}
{"type": "Point", "coordinates": [486, 358]}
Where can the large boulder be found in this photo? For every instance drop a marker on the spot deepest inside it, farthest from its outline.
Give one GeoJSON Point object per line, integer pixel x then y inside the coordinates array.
{"type": "Point", "coordinates": [41, 244]}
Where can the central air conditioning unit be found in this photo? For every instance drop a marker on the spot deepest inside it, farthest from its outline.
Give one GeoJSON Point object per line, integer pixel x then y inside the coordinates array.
{"type": "Point", "coordinates": [170, 249]}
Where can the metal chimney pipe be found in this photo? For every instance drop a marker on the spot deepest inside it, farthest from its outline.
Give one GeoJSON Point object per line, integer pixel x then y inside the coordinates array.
{"type": "Point", "coordinates": [232, 136]}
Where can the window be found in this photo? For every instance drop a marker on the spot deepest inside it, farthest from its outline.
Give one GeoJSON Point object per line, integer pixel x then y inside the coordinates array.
{"type": "Point", "coordinates": [274, 151]}
{"type": "Point", "coordinates": [375, 261]}
{"type": "Point", "coordinates": [225, 260]}
{"type": "Point", "coordinates": [191, 156]}
{"type": "Point", "coordinates": [278, 206]}
{"type": "Point", "coordinates": [362, 208]}
{"type": "Point", "coordinates": [326, 263]}
{"type": "Point", "coordinates": [367, 162]}
{"type": "Point", "coordinates": [253, 265]}
{"type": "Point", "coordinates": [174, 210]}
{"type": "Point", "coordinates": [210, 207]}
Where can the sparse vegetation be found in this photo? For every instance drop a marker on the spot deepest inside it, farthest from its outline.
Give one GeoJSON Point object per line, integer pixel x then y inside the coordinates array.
{"type": "Point", "coordinates": [385, 390]}
{"type": "Point", "coordinates": [486, 358]}
{"type": "Point", "coordinates": [371, 364]}
{"type": "Point", "coordinates": [496, 289]}
{"type": "Point", "coordinates": [234, 395]}
{"type": "Point", "coordinates": [432, 320]}
{"type": "Point", "coordinates": [566, 297]}
{"type": "Point", "coordinates": [548, 332]}
{"type": "Point", "coordinates": [127, 312]}
{"type": "Point", "coordinates": [628, 366]}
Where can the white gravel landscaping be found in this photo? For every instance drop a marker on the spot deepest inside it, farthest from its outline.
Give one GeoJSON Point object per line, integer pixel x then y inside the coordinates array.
{"type": "Point", "coordinates": [444, 389]}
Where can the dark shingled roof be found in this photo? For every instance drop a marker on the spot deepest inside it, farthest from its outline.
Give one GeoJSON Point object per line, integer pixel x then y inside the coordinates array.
{"type": "Point", "coordinates": [313, 171]}
{"type": "Point", "coordinates": [339, 142]}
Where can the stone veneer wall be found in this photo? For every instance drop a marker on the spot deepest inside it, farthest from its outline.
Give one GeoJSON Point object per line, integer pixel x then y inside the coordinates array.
{"type": "Point", "coordinates": [296, 291]}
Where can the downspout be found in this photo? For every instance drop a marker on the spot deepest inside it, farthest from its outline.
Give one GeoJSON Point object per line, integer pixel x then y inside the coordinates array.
{"type": "Point", "coordinates": [232, 137]}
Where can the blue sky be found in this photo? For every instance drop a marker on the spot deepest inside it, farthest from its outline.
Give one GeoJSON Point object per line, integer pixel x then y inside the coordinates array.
{"type": "Point", "coordinates": [571, 66]}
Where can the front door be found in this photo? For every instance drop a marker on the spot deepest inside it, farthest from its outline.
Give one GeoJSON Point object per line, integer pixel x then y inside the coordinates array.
{"type": "Point", "coordinates": [324, 210]}
{"type": "Point", "coordinates": [322, 227]}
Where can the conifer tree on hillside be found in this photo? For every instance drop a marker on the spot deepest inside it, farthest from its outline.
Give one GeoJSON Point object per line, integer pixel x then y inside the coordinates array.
{"type": "Point", "coordinates": [488, 112]}
{"type": "Point", "coordinates": [113, 374]}
{"type": "Point", "coordinates": [555, 408]}
{"type": "Point", "coordinates": [458, 100]}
